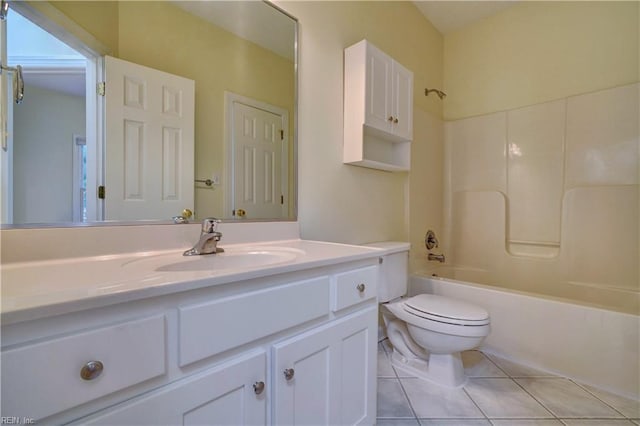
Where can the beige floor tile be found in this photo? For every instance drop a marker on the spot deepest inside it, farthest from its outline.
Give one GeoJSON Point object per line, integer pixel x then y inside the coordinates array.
{"type": "Point", "coordinates": [455, 422]}
{"type": "Point", "coordinates": [597, 422]}
{"type": "Point", "coordinates": [566, 399]}
{"type": "Point", "coordinates": [476, 364]}
{"type": "Point", "coordinates": [527, 422]}
{"type": "Point", "coordinates": [503, 398]}
{"type": "Point", "coordinates": [384, 364]}
{"type": "Point", "coordinates": [433, 401]}
{"type": "Point", "coordinates": [397, 422]}
{"type": "Point", "coordinates": [392, 402]}
{"type": "Point", "coordinates": [628, 407]}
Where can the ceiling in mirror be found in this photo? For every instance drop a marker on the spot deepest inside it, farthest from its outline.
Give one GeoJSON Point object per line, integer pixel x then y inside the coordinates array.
{"type": "Point", "coordinates": [241, 59]}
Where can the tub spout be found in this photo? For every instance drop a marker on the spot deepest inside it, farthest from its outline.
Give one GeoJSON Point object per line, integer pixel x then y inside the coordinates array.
{"type": "Point", "coordinates": [437, 257]}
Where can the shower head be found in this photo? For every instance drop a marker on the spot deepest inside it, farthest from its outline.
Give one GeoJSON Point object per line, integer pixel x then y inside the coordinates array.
{"type": "Point", "coordinates": [440, 93]}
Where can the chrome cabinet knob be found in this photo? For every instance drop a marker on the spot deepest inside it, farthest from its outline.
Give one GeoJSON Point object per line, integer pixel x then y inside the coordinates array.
{"type": "Point", "coordinates": [91, 370]}
{"type": "Point", "coordinates": [258, 387]}
{"type": "Point", "coordinates": [361, 287]}
{"type": "Point", "coordinates": [288, 373]}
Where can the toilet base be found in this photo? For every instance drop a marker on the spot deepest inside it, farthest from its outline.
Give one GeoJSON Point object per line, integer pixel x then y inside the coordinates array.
{"type": "Point", "coordinates": [444, 369]}
{"type": "Point", "coordinates": [441, 369]}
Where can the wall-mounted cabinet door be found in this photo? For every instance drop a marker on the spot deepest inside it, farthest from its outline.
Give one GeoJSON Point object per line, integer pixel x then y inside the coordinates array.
{"type": "Point", "coordinates": [378, 100]}
{"type": "Point", "coordinates": [388, 95]}
{"type": "Point", "coordinates": [327, 376]}
{"type": "Point", "coordinates": [233, 393]}
{"type": "Point", "coordinates": [402, 101]}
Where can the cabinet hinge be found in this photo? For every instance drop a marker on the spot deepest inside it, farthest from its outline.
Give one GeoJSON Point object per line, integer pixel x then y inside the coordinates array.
{"type": "Point", "coordinates": [102, 88]}
{"type": "Point", "coordinates": [101, 192]}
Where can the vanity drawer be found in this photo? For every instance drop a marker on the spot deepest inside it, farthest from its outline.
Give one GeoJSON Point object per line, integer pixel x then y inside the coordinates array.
{"type": "Point", "coordinates": [42, 379]}
{"type": "Point", "coordinates": [350, 288]}
{"type": "Point", "coordinates": [211, 328]}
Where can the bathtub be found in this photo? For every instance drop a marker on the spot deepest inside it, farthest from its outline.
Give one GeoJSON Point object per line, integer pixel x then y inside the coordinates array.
{"type": "Point", "coordinates": [591, 345]}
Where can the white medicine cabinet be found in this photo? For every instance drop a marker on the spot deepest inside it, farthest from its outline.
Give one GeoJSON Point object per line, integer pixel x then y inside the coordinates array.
{"type": "Point", "coordinates": [378, 109]}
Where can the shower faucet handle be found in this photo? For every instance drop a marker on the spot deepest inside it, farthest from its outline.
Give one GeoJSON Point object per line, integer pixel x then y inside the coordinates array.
{"type": "Point", "coordinates": [430, 240]}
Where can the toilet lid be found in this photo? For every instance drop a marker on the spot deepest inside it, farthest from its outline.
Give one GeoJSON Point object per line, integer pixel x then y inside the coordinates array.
{"type": "Point", "coordinates": [444, 309]}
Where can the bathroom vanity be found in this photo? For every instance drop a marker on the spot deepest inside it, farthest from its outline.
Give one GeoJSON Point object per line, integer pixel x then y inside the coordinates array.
{"type": "Point", "coordinates": [277, 332]}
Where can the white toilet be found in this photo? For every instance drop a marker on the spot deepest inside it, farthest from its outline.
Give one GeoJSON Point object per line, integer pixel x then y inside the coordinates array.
{"type": "Point", "coordinates": [427, 332]}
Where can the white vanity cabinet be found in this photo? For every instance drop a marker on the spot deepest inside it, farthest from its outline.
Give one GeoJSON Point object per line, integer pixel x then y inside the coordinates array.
{"type": "Point", "coordinates": [378, 109]}
{"type": "Point", "coordinates": [230, 394]}
{"type": "Point", "coordinates": [211, 355]}
{"type": "Point", "coordinates": [325, 376]}
{"type": "Point", "coordinates": [47, 376]}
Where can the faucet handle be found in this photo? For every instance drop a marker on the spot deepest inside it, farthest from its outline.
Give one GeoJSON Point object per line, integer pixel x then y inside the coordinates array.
{"type": "Point", "coordinates": [430, 240]}
{"type": "Point", "coordinates": [209, 225]}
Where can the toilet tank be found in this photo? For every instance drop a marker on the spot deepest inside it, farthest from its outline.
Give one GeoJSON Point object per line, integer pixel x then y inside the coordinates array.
{"type": "Point", "coordinates": [394, 269]}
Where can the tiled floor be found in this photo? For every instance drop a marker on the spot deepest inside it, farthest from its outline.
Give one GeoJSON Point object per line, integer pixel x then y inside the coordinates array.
{"type": "Point", "coordinates": [498, 393]}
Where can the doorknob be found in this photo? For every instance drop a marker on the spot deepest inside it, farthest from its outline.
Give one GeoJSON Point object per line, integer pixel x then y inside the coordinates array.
{"type": "Point", "coordinates": [184, 217]}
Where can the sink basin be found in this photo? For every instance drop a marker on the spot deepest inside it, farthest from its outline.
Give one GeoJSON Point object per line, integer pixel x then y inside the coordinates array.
{"type": "Point", "coordinates": [232, 258]}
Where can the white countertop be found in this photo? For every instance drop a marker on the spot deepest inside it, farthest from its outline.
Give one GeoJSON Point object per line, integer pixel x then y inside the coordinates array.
{"type": "Point", "coordinates": [36, 289]}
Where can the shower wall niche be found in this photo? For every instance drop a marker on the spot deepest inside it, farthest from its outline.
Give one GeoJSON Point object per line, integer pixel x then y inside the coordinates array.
{"type": "Point", "coordinates": [545, 198]}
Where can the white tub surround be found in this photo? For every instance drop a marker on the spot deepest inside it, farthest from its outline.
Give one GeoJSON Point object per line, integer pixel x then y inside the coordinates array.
{"type": "Point", "coordinates": [588, 344]}
{"type": "Point", "coordinates": [545, 198]}
{"type": "Point", "coordinates": [233, 336]}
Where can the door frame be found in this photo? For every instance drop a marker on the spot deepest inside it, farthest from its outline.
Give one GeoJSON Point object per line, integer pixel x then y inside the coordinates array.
{"type": "Point", "coordinates": [77, 142]}
{"type": "Point", "coordinates": [229, 145]}
{"type": "Point", "coordinates": [6, 149]}
{"type": "Point", "coordinates": [47, 17]}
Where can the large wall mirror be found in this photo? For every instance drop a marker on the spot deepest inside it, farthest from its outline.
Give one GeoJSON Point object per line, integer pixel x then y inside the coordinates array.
{"type": "Point", "coordinates": [198, 112]}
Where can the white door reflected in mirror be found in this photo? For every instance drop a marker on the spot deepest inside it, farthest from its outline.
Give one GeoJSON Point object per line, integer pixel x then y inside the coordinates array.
{"type": "Point", "coordinates": [259, 158]}
{"type": "Point", "coordinates": [149, 122]}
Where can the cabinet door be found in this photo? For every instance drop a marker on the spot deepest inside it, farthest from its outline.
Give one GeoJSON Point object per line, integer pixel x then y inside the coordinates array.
{"type": "Point", "coordinates": [223, 395]}
{"type": "Point", "coordinates": [402, 96]}
{"type": "Point", "coordinates": [327, 375]}
{"type": "Point", "coordinates": [378, 103]}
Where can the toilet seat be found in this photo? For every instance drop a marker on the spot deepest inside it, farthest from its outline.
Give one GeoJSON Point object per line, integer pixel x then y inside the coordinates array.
{"type": "Point", "coordinates": [442, 323]}
{"type": "Point", "coordinates": [446, 310]}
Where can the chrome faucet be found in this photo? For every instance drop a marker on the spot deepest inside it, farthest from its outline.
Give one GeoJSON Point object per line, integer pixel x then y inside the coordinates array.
{"type": "Point", "coordinates": [209, 238]}
{"type": "Point", "coordinates": [438, 257]}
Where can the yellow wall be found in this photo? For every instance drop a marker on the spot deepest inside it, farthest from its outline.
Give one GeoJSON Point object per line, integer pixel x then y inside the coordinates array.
{"type": "Point", "coordinates": [344, 203]}
{"type": "Point", "coordinates": [539, 51]}
{"type": "Point", "coordinates": [162, 36]}
{"type": "Point", "coordinates": [99, 18]}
